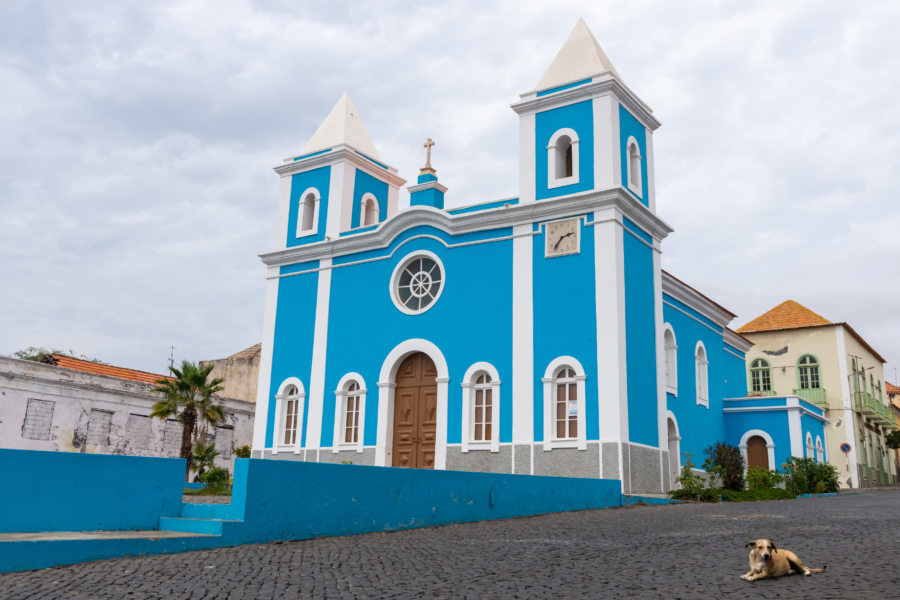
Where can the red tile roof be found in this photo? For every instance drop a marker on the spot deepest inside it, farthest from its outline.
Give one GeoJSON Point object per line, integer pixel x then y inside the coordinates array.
{"type": "Point", "coordinates": [787, 315]}
{"type": "Point", "coordinates": [76, 364]}
{"type": "Point", "coordinates": [890, 388]}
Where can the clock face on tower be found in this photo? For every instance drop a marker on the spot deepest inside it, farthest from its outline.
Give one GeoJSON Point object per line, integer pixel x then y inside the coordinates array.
{"type": "Point", "coordinates": [562, 238]}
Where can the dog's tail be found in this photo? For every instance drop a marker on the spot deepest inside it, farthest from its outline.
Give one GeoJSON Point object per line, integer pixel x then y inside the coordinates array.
{"type": "Point", "coordinates": [822, 570]}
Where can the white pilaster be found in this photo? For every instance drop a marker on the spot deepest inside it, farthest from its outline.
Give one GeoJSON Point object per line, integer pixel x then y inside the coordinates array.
{"type": "Point", "coordinates": [604, 178]}
{"type": "Point", "coordinates": [340, 196]}
{"type": "Point", "coordinates": [284, 211]}
{"type": "Point", "coordinates": [651, 174]}
{"type": "Point", "coordinates": [851, 459]}
{"type": "Point", "coordinates": [261, 418]}
{"type": "Point", "coordinates": [523, 336]}
{"type": "Point", "coordinates": [661, 408]}
{"type": "Point", "coordinates": [440, 438]}
{"type": "Point", "coordinates": [615, 144]}
{"type": "Point", "coordinates": [320, 346]}
{"type": "Point", "coordinates": [794, 429]}
{"type": "Point", "coordinates": [526, 158]}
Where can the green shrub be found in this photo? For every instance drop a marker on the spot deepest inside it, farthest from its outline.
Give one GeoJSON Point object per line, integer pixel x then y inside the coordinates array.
{"type": "Point", "coordinates": [688, 480]}
{"type": "Point", "coordinates": [892, 440]}
{"type": "Point", "coordinates": [242, 452]}
{"type": "Point", "coordinates": [726, 463]}
{"type": "Point", "coordinates": [756, 495]}
{"type": "Point", "coordinates": [216, 477]}
{"type": "Point", "coordinates": [762, 479]}
{"type": "Point", "coordinates": [806, 476]}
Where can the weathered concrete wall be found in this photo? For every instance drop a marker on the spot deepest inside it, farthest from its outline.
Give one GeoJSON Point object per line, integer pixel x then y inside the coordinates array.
{"type": "Point", "coordinates": [44, 407]}
{"type": "Point", "coordinates": [240, 372]}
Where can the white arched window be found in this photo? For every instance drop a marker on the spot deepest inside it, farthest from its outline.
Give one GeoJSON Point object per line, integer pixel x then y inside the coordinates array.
{"type": "Point", "coordinates": [633, 152]}
{"type": "Point", "coordinates": [289, 416]}
{"type": "Point", "coordinates": [368, 211]}
{"type": "Point", "coordinates": [349, 413]}
{"type": "Point", "coordinates": [562, 158]}
{"type": "Point", "coordinates": [308, 212]}
{"type": "Point", "coordinates": [670, 357]}
{"type": "Point", "coordinates": [481, 408]}
{"type": "Point", "coordinates": [701, 365]}
{"type": "Point", "coordinates": [564, 404]}
{"type": "Point", "coordinates": [810, 449]}
{"type": "Point", "coordinates": [820, 450]}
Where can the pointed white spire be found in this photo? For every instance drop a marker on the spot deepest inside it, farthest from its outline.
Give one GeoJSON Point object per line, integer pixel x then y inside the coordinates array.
{"type": "Point", "coordinates": [579, 58]}
{"type": "Point", "coordinates": [342, 126]}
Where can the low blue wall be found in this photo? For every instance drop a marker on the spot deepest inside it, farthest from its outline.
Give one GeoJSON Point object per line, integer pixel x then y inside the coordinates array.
{"type": "Point", "coordinates": [296, 500]}
{"type": "Point", "coordinates": [67, 491]}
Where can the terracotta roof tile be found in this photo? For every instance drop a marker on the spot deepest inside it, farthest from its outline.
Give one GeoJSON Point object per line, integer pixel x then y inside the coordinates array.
{"type": "Point", "coordinates": [890, 388]}
{"type": "Point", "coordinates": [76, 364]}
{"type": "Point", "coordinates": [787, 315]}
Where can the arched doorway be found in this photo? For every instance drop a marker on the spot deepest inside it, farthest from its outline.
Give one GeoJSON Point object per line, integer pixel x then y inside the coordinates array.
{"type": "Point", "coordinates": [415, 413]}
{"type": "Point", "coordinates": [757, 452]}
{"type": "Point", "coordinates": [674, 454]}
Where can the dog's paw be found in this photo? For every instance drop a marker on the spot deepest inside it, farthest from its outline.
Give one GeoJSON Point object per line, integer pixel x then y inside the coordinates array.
{"type": "Point", "coordinates": [807, 572]}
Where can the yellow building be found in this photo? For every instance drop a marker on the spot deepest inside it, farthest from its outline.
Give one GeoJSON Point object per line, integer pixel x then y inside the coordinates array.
{"type": "Point", "coordinates": [799, 352]}
{"type": "Point", "coordinates": [893, 394]}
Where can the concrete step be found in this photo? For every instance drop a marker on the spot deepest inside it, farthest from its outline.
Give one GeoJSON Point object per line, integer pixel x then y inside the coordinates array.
{"type": "Point", "coordinates": [198, 510]}
{"type": "Point", "coordinates": [205, 526]}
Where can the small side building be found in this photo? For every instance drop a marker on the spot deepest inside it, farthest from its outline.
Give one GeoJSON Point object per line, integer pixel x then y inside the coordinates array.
{"type": "Point", "coordinates": [71, 405]}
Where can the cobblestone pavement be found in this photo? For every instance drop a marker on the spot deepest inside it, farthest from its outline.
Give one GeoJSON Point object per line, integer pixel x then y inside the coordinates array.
{"type": "Point", "coordinates": [681, 551]}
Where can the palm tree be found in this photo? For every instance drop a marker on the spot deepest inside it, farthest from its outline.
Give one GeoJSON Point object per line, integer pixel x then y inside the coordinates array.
{"type": "Point", "coordinates": [205, 457]}
{"type": "Point", "coordinates": [189, 395]}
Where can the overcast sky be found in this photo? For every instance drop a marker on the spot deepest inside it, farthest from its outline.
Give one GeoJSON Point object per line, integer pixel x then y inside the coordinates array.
{"type": "Point", "coordinates": [137, 142]}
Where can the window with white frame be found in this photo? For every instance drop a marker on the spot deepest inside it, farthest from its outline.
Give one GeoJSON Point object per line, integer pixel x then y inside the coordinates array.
{"type": "Point", "coordinates": [562, 158]}
{"type": "Point", "coordinates": [810, 449]}
{"type": "Point", "coordinates": [809, 372]}
{"type": "Point", "coordinates": [760, 376]}
{"type": "Point", "coordinates": [290, 412]}
{"type": "Point", "coordinates": [482, 405]}
{"type": "Point", "coordinates": [368, 211]}
{"type": "Point", "coordinates": [633, 151]}
{"type": "Point", "coordinates": [349, 413]}
{"type": "Point", "coordinates": [701, 368]}
{"type": "Point", "coordinates": [481, 408]}
{"type": "Point", "coordinates": [671, 360]}
{"type": "Point", "coordinates": [308, 212]}
{"type": "Point", "coordinates": [565, 404]}
{"type": "Point", "coordinates": [820, 450]}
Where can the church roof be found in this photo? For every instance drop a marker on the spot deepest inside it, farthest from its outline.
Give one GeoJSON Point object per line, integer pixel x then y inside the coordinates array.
{"type": "Point", "coordinates": [787, 315]}
{"type": "Point", "coordinates": [87, 366]}
{"type": "Point", "coordinates": [342, 126]}
{"type": "Point", "coordinates": [579, 58]}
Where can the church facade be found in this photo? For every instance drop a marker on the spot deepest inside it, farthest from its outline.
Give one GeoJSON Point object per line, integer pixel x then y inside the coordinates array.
{"type": "Point", "coordinates": [532, 335]}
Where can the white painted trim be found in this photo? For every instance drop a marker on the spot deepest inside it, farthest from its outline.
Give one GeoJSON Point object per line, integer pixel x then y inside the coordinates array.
{"type": "Point", "coordinates": [820, 450]}
{"type": "Point", "coordinates": [549, 380]}
{"type": "Point", "coordinates": [661, 399]}
{"type": "Point", "coordinates": [523, 337]}
{"type": "Point", "coordinates": [672, 389]}
{"type": "Point", "coordinates": [340, 155]}
{"type": "Point", "coordinates": [398, 269]}
{"type": "Point", "coordinates": [386, 386]}
{"type": "Point", "coordinates": [468, 408]}
{"type": "Point", "coordinates": [603, 149]}
{"type": "Point", "coordinates": [770, 446]}
{"type": "Point", "coordinates": [317, 197]}
{"type": "Point", "coordinates": [794, 426]}
{"type": "Point", "coordinates": [261, 416]}
{"type": "Point", "coordinates": [651, 176]}
{"type": "Point", "coordinates": [527, 166]}
{"type": "Point", "coordinates": [810, 447]}
{"type": "Point", "coordinates": [691, 298]}
{"type": "Point", "coordinates": [802, 410]}
{"type": "Point", "coordinates": [366, 198]}
{"type": "Point", "coordinates": [340, 407]}
{"type": "Point", "coordinates": [637, 188]}
{"type": "Point", "coordinates": [319, 355]}
{"type": "Point", "coordinates": [704, 363]}
{"type": "Point", "coordinates": [677, 439]}
{"type": "Point", "coordinates": [278, 429]}
{"type": "Point", "coordinates": [848, 415]}
{"type": "Point", "coordinates": [284, 211]}
{"type": "Point", "coordinates": [552, 180]}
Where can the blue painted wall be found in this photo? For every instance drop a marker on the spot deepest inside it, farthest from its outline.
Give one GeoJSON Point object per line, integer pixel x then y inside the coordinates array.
{"type": "Point", "coordinates": [363, 184]}
{"type": "Point", "coordinates": [640, 339]}
{"type": "Point", "coordinates": [300, 182]}
{"type": "Point", "coordinates": [814, 427]}
{"type": "Point", "coordinates": [565, 321]}
{"type": "Point", "coordinates": [365, 325]}
{"type": "Point", "coordinates": [630, 126]}
{"type": "Point", "coordinates": [68, 491]}
{"type": "Point", "coordinates": [580, 118]}
{"type": "Point", "coordinates": [295, 320]}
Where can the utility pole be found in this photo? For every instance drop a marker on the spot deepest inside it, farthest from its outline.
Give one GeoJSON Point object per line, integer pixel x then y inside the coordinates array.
{"type": "Point", "coordinates": [171, 356]}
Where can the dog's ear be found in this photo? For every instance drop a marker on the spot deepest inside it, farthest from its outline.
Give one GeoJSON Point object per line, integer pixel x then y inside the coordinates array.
{"type": "Point", "coordinates": [774, 549]}
{"type": "Point", "coordinates": [753, 543]}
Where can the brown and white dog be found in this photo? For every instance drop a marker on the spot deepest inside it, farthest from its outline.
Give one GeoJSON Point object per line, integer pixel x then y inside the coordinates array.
{"type": "Point", "coordinates": [768, 561]}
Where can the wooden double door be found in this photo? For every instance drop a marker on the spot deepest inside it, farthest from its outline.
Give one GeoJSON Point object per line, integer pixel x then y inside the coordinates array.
{"type": "Point", "coordinates": [415, 413]}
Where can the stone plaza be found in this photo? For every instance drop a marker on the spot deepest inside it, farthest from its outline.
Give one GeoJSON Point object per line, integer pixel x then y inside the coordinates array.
{"type": "Point", "coordinates": [673, 551]}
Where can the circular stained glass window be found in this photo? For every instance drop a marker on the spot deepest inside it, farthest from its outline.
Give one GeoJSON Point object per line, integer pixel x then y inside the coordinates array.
{"type": "Point", "coordinates": [418, 283]}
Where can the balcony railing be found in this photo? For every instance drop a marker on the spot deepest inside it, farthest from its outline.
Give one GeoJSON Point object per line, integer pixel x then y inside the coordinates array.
{"type": "Point", "coordinates": [872, 407]}
{"type": "Point", "coordinates": [761, 393]}
{"type": "Point", "coordinates": [814, 395]}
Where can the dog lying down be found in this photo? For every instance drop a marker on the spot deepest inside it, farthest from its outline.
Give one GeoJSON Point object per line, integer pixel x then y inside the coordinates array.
{"type": "Point", "coordinates": [767, 561]}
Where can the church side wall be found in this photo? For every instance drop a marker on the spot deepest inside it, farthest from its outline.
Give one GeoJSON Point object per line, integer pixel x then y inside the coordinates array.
{"type": "Point", "coordinates": [580, 118]}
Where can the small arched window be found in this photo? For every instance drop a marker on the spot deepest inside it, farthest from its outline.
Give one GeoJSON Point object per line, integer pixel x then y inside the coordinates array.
{"type": "Point", "coordinates": [562, 158]}
{"type": "Point", "coordinates": [564, 404]}
{"type": "Point", "coordinates": [308, 212]}
{"type": "Point", "coordinates": [565, 400]}
{"type": "Point", "coordinates": [809, 372]}
{"type": "Point", "coordinates": [810, 449]}
{"type": "Point", "coordinates": [635, 179]}
{"type": "Point", "coordinates": [760, 376]}
{"type": "Point", "coordinates": [671, 360]}
{"type": "Point", "coordinates": [290, 412]}
{"type": "Point", "coordinates": [481, 408]}
{"type": "Point", "coordinates": [349, 413]}
{"type": "Point", "coordinates": [820, 450]}
{"type": "Point", "coordinates": [701, 368]}
{"type": "Point", "coordinates": [369, 211]}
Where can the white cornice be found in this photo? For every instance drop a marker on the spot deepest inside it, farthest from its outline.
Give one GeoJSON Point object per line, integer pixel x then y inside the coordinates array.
{"type": "Point", "coordinates": [504, 216]}
{"type": "Point", "coordinates": [531, 102]}
{"type": "Point", "coordinates": [427, 186]}
{"type": "Point", "coordinates": [689, 296]}
{"type": "Point", "coordinates": [737, 340]}
{"type": "Point", "coordinates": [335, 155]}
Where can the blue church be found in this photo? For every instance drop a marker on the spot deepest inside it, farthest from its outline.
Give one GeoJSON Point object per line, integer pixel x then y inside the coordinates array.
{"type": "Point", "coordinates": [533, 335]}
